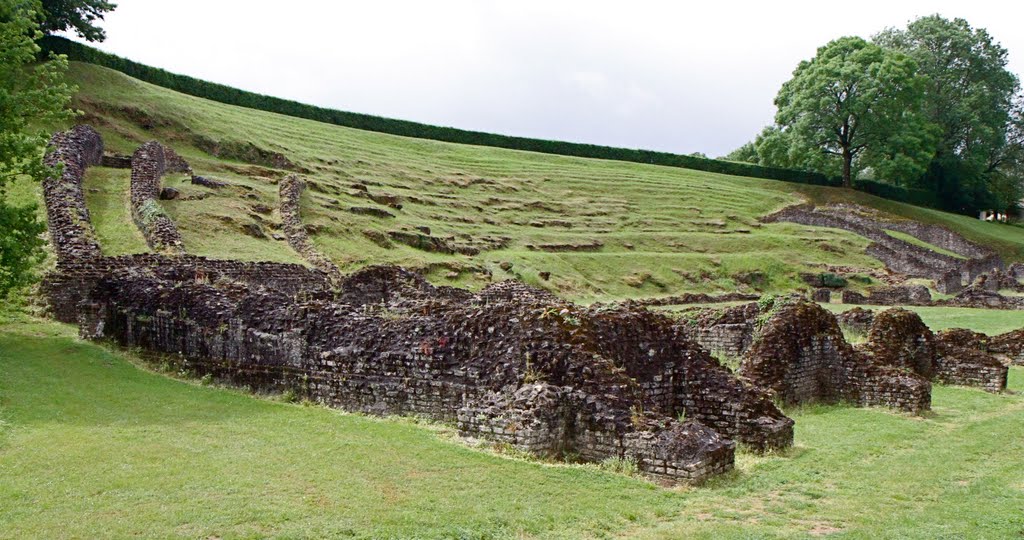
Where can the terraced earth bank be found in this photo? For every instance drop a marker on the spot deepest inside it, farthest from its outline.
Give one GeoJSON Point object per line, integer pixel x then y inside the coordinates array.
{"type": "Point", "coordinates": [511, 364]}
{"type": "Point", "coordinates": [469, 216]}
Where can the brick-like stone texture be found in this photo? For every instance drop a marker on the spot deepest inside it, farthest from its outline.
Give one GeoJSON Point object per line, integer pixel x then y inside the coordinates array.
{"type": "Point", "coordinates": [898, 295]}
{"type": "Point", "coordinates": [898, 337]}
{"type": "Point", "coordinates": [857, 320]}
{"type": "Point", "coordinates": [726, 332]}
{"type": "Point", "coordinates": [800, 354]}
{"type": "Point", "coordinates": [962, 358]}
{"type": "Point", "coordinates": [149, 163]}
{"type": "Point", "coordinates": [290, 190]}
{"type": "Point", "coordinates": [949, 273]}
{"type": "Point", "coordinates": [71, 232]}
{"type": "Point", "coordinates": [543, 375]}
{"type": "Point", "coordinates": [1009, 346]}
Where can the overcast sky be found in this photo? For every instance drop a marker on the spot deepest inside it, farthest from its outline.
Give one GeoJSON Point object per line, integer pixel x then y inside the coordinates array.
{"type": "Point", "coordinates": [674, 76]}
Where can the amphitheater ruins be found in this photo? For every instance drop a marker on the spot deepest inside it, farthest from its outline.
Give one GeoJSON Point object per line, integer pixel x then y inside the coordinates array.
{"type": "Point", "coordinates": [509, 364]}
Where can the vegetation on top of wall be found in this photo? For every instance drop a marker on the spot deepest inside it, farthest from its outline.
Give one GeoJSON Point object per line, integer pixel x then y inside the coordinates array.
{"type": "Point", "coordinates": [233, 96]}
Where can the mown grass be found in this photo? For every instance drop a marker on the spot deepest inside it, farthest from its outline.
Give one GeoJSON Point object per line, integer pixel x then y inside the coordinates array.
{"type": "Point", "coordinates": [107, 197]}
{"type": "Point", "coordinates": [918, 242]}
{"type": "Point", "coordinates": [986, 321]}
{"type": "Point", "coordinates": [663, 230]}
{"type": "Point", "coordinates": [93, 446]}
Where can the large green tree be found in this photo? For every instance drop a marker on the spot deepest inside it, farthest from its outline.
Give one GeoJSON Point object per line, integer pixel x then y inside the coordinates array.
{"type": "Point", "coordinates": [78, 15]}
{"type": "Point", "coordinates": [32, 94]}
{"type": "Point", "coordinates": [969, 95]}
{"type": "Point", "coordinates": [855, 104]}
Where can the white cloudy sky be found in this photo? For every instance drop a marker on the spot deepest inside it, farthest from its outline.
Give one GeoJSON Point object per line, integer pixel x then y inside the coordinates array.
{"type": "Point", "coordinates": [675, 76]}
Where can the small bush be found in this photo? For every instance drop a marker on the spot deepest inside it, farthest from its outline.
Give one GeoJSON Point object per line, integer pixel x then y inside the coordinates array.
{"type": "Point", "coordinates": [828, 279]}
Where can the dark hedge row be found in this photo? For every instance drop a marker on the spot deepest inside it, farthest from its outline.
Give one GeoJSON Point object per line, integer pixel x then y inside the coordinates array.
{"type": "Point", "coordinates": [234, 96]}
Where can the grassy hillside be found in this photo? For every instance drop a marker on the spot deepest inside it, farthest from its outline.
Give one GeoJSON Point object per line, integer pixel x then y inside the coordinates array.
{"type": "Point", "coordinates": [92, 446]}
{"type": "Point", "coordinates": [602, 229]}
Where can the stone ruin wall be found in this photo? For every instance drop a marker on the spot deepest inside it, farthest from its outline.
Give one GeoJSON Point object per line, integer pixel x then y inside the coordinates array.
{"type": "Point", "coordinates": [795, 349]}
{"type": "Point", "coordinates": [149, 164]}
{"type": "Point", "coordinates": [499, 364]}
{"type": "Point", "coordinates": [728, 332]}
{"type": "Point", "coordinates": [949, 273]}
{"type": "Point", "coordinates": [912, 295]}
{"type": "Point", "coordinates": [67, 216]}
{"type": "Point", "coordinates": [68, 285]}
{"type": "Point", "coordinates": [801, 355]}
{"type": "Point", "coordinates": [546, 378]}
{"type": "Point", "coordinates": [898, 337]}
{"type": "Point", "coordinates": [857, 320]}
{"type": "Point", "coordinates": [290, 190]}
{"type": "Point", "coordinates": [1009, 346]}
{"type": "Point", "coordinates": [80, 263]}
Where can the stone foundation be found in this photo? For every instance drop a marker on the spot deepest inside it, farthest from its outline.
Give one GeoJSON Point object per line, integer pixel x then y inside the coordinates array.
{"type": "Point", "coordinates": [949, 273]}
{"type": "Point", "coordinates": [899, 338]}
{"type": "Point", "coordinates": [510, 364]}
{"type": "Point", "coordinates": [546, 377]}
{"type": "Point", "coordinates": [800, 354]}
{"type": "Point", "coordinates": [149, 163]}
{"type": "Point", "coordinates": [290, 190]}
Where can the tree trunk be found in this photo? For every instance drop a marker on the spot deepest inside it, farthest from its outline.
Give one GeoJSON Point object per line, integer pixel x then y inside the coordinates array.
{"type": "Point", "coordinates": [847, 163]}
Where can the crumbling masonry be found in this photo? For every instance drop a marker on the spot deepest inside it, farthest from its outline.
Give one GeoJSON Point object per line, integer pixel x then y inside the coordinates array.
{"type": "Point", "coordinates": [149, 164]}
{"type": "Point", "coordinates": [950, 273]}
{"type": "Point", "coordinates": [510, 364]}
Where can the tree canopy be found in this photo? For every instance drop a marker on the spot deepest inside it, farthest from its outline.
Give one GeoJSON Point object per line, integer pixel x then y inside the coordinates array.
{"type": "Point", "coordinates": [970, 97]}
{"type": "Point", "coordinates": [854, 100]}
{"type": "Point", "coordinates": [78, 15]}
{"type": "Point", "coordinates": [32, 94]}
{"type": "Point", "coordinates": [930, 107]}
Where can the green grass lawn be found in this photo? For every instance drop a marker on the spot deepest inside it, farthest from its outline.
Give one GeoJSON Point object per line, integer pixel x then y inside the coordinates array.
{"type": "Point", "coordinates": [986, 321]}
{"type": "Point", "coordinates": [93, 446]}
{"type": "Point", "coordinates": [663, 230]}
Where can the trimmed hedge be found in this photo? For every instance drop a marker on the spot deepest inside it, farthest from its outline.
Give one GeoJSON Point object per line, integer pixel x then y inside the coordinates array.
{"type": "Point", "coordinates": [233, 96]}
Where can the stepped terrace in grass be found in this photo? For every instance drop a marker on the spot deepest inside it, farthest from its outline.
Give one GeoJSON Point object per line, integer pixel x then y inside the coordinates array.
{"type": "Point", "coordinates": [466, 215]}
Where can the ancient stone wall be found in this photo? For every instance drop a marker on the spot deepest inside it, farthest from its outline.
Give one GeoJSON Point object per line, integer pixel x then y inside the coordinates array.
{"type": "Point", "coordinates": [149, 163]}
{"type": "Point", "coordinates": [977, 296]}
{"type": "Point", "coordinates": [70, 282]}
{"type": "Point", "coordinates": [898, 337]}
{"type": "Point", "coordinates": [899, 255]}
{"type": "Point", "coordinates": [1009, 346]}
{"type": "Point", "coordinates": [67, 216]}
{"type": "Point", "coordinates": [728, 332]}
{"type": "Point", "coordinates": [899, 295]}
{"type": "Point", "coordinates": [857, 320]}
{"type": "Point", "coordinates": [290, 190]}
{"type": "Point", "coordinates": [548, 377]}
{"type": "Point", "coordinates": [695, 298]}
{"type": "Point", "coordinates": [800, 354]}
{"type": "Point", "coordinates": [962, 359]}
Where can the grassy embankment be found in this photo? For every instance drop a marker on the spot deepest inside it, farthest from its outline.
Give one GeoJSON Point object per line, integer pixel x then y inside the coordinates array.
{"type": "Point", "coordinates": [661, 230]}
{"type": "Point", "coordinates": [93, 446]}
